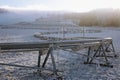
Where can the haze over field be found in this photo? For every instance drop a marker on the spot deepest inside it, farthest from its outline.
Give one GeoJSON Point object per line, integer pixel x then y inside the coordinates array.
{"type": "Point", "coordinates": [100, 17]}
{"type": "Point", "coordinates": [82, 12]}
{"type": "Point", "coordinates": [8, 16]}
{"type": "Point", "coordinates": [61, 5]}
{"type": "Point", "coordinates": [59, 20]}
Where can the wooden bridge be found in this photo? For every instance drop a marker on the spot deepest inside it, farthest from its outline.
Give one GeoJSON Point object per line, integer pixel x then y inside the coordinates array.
{"type": "Point", "coordinates": [100, 45]}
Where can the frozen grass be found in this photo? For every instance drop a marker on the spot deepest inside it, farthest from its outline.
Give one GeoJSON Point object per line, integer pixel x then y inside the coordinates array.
{"type": "Point", "coordinates": [100, 17]}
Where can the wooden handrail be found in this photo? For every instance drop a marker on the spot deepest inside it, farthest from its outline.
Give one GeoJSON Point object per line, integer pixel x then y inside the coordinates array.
{"type": "Point", "coordinates": [43, 44]}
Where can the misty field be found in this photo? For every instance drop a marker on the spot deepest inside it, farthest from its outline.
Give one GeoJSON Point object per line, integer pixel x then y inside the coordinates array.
{"type": "Point", "coordinates": [69, 63]}
{"type": "Point", "coordinates": [100, 17]}
{"type": "Point", "coordinates": [45, 27]}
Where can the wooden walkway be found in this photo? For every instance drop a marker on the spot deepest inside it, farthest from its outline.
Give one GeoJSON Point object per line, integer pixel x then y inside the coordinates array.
{"type": "Point", "coordinates": [100, 45]}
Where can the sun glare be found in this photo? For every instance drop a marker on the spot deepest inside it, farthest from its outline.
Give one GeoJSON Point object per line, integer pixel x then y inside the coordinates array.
{"type": "Point", "coordinates": [28, 7]}
{"type": "Point", "coordinates": [68, 5]}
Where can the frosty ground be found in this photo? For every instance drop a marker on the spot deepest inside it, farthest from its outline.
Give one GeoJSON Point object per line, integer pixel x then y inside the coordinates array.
{"type": "Point", "coordinates": [70, 64]}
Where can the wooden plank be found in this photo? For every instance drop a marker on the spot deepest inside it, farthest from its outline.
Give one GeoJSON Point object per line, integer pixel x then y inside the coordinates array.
{"type": "Point", "coordinates": [22, 45]}
{"type": "Point", "coordinates": [19, 50]}
{"type": "Point", "coordinates": [44, 44]}
{"type": "Point", "coordinates": [34, 67]}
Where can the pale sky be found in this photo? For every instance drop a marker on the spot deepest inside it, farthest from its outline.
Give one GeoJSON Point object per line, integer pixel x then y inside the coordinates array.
{"type": "Point", "coordinates": [63, 5]}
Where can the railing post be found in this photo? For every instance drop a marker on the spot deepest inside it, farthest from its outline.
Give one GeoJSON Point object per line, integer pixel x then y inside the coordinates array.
{"type": "Point", "coordinates": [88, 56]}
{"type": "Point", "coordinates": [53, 61]}
{"type": "Point", "coordinates": [0, 49]}
{"type": "Point", "coordinates": [39, 58]}
{"type": "Point", "coordinates": [46, 58]}
{"type": "Point", "coordinates": [95, 53]}
{"type": "Point", "coordinates": [115, 55]}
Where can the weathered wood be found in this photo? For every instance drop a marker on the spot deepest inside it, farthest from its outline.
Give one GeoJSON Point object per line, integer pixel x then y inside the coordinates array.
{"type": "Point", "coordinates": [88, 57]}
{"type": "Point", "coordinates": [19, 50]}
{"type": "Point", "coordinates": [44, 44]}
{"type": "Point", "coordinates": [95, 54]}
{"type": "Point", "coordinates": [37, 46]}
{"type": "Point", "coordinates": [108, 44]}
{"type": "Point", "coordinates": [53, 62]}
{"type": "Point", "coordinates": [23, 45]}
{"type": "Point", "coordinates": [39, 58]}
{"type": "Point", "coordinates": [34, 67]}
{"type": "Point", "coordinates": [46, 58]}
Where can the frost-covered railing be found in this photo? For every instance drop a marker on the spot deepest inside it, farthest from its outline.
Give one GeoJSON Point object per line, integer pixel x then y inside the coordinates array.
{"type": "Point", "coordinates": [51, 45]}
{"type": "Point", "coordinates": [43, 44]}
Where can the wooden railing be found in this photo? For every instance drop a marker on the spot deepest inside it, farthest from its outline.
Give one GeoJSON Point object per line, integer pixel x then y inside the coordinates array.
{"type": "Point", "coordinates": [39, 46]}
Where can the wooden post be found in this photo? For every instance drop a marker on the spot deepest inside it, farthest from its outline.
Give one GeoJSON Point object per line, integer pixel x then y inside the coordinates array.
{"type": "Point", "coordinates": [115, 55]}
{"type": "Point", "coordinates": [88, 57]}
{"type": "Point", "coordinates": [104, 54]}
{"type": "Point", "coordinates": [39, 58]}
{"type": "Point", "coordinates": [46, 58]}
{"type": "Point", "coordinates": [0, 49]}
{"type": "Point", "coordinates": [95, 54]}
{"type": "Point", "coordinates": [53, 62]}
{"type": "Point", "coordinates": [50, 52]}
